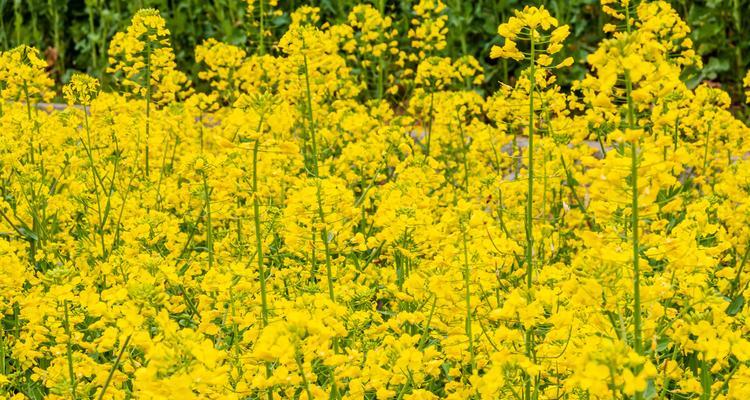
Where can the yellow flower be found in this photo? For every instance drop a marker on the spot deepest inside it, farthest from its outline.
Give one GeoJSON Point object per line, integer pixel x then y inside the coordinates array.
{"type": "Point", "coordinates": [82, 89]}
{"type": "Point", "coordinates": [143, 61]}
{"type": "Point", "coordinates": [23, 75]}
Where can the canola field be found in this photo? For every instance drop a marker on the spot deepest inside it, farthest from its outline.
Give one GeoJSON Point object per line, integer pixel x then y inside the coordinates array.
{"type": "Point", "coordinates": [341, 216]}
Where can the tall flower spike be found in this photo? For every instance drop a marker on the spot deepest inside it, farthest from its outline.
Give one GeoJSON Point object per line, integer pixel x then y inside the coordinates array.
{"type": "Point", "coordinates": [143, 61]}
{"type": "Point", "coordinates": [428, 34]}
{"type": "Point", "coordinates": [259, 13]}
{"type": "Point", "coordinates": [532, 24]}
{"type": "Point", "coordinates": [23, 73]}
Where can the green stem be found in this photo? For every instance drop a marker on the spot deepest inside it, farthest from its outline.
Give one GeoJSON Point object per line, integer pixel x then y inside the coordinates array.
{"type": "Point", "coordinates": [53, 8]}
{"type": "Point", "coordinates": [209, 227]}
{"type": "Point", "coordinates": [464, 148]}
{"type": "Point", "coordinates": [326, 242]}
{"type": "Point", "coordinates": [634, 221]}
{"type": "Point", "coordinates": [94, 57]}
{"type": "Point", "coordinates": [705, 150]}
{"type": "Point", "coordinates": [31, 120]}
{"type": "Point", "coordinates": [429, 122]}
{"type": "Point", "coordinates": [18, 21]}
{"type": "Point", "coordinates": [259, 248]}
{"type": "Point", "coordinates": [529, 227]}
{"type": "Point", "coordinates": [69, 352]}
{"type": "Point", "coordinates": [381, 76]}
{"type": "Point", "coordinates": [426, 333]}
{"type": "Point", "coordinates": [301, 367]}
{"type": "Point", "coordinates": [634, 213]}
{"type": "Point", "coordinates": [114, 368]}
{"type": "Point", "coordinates": [34, 241]}
{"type": "Point", "coordinates": [637, 335]}
{"type": "Point", "coordinates": [240, 240]}
{"type": "Point", "coordinates": [738, 275]}
{"type": "Point", "coordinates": [261, 28]}
{"type": "Point", "coordinates": [705, 378]}
{"type": "Point", "coordinates": [97, 181]}
{"type": "Point", "coordinates": [467, 295]}
{"type": "Point", "coordinates": [259, 239]}
{"type": "Point", "coordinates": [200, 130]}
{"type": "Point", "coordinates": [148, 103]}
{"type": "Point", "coordinates": [636, 248]}
{"type": "Point", "coordinates": [310, 118]}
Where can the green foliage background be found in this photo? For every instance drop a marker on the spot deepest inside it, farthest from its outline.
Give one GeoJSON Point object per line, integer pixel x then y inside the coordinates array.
{"type": "Point", "coordinates": [75, 33]}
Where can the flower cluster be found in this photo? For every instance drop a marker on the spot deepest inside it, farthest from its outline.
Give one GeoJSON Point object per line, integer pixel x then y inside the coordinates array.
{"type": "Point", "coordinates": [23, 75]}
{"type": "Point", "coordinates": [429, 30]}
{"type": "Point", "coordinates": [343, 215]}
{"type": "Point", "coordinates": [82, 89]}
{"type": "Point", "coordinates": [143, 61]}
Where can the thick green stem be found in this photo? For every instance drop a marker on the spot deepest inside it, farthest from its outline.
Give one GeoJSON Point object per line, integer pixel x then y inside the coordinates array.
{"type": "Point", "coordinates": [634, 220]}
{"type": "Point", "coordinates": [637, 345]}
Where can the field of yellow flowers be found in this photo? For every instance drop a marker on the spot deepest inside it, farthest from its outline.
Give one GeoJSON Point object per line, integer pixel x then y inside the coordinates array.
{"type": "Point", "coordinates": [340, 217]}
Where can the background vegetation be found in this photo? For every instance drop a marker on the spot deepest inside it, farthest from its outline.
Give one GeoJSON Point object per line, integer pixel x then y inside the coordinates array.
{"type": "Point", "coordinates": [75, 33]}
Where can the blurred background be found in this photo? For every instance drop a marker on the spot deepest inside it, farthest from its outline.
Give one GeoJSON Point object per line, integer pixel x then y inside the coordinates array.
{"type": "Point", "coordinates": [74, 34]}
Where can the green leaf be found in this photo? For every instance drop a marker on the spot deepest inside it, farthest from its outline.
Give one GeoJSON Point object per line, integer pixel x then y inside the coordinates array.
{"type": "Point", "coordinates": [736, 305]}
{"type": "Point", "coordinates": [650, 391]}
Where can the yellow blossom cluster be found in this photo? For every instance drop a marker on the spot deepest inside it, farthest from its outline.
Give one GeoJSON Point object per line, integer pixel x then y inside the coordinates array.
{"type": "Point", "coordinates": [343, 215]}
{"type": "Point", "coordinates": [143, 61]}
